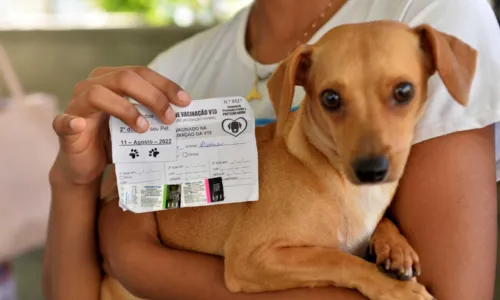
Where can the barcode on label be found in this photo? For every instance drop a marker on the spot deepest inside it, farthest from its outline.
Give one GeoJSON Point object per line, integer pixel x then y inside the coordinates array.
{"type": "Point", "coordinates": [194, 193]}
{"type": "Point", "coordinates": [151, 196]}
{"type": "Point", "coordinates": [172, 196]}
{"type": "Point", "coordinates": [216, 189]}
{"type": "Point", "coordinates": [202, 192]}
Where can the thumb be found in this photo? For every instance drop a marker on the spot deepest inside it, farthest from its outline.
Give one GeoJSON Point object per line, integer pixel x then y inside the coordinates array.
{"type": "Point", "coordinates": [67, 125]}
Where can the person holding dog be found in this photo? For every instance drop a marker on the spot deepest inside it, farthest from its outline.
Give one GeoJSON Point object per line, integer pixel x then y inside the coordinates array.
{"type": "Point", "coordinates": [445, 205]}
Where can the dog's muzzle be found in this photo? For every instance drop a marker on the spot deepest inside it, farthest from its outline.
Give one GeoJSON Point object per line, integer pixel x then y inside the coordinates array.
{"type": "Point", "coordinates": [372, 169]}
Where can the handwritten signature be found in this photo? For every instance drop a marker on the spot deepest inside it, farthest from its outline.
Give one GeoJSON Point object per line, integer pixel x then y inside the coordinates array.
{"type": "Point", "coordinates": [204, 144]}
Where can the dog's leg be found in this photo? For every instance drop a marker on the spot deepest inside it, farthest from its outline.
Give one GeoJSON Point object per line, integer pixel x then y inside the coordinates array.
{"type": "Point", "coordinates": [279, 268]}
{"type": "Point", "coordinates": [392, 252]}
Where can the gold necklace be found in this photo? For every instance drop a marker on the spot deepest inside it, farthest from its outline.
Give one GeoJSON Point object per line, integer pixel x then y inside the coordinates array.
{"type": "Point", "coordinates": [331, 9]}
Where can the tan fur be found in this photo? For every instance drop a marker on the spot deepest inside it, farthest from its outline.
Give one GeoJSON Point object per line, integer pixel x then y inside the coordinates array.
{"type": "Point", "coordinates": [313, 214]}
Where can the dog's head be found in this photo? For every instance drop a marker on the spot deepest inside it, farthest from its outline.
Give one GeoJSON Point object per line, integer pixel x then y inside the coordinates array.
{"type": "Point", "coordinates": [366, 89]}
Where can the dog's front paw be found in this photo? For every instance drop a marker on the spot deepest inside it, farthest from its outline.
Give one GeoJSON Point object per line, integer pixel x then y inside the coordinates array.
{"type": "Point", "coordinates": [394, 256]}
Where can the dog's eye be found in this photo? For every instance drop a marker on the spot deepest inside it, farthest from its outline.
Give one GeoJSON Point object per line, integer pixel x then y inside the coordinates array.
{"type": "Point", "coordinates": [331, 100]}
{"type": "Point", "coordinates": [404, 92]}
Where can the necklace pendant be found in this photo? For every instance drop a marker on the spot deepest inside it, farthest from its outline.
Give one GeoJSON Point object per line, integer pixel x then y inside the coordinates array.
{"type": "Point", "coordinates": [254, 94]}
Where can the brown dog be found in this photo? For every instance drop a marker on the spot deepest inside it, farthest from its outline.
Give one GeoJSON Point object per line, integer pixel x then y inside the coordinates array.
{"type": "Point", "coordinates": [329, 171]}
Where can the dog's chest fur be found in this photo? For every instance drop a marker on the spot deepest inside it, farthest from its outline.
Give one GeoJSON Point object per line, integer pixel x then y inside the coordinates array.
{"type": "Point", "coordinates": [297, 207]}
{"type": "Point", "coordinates": [312, 208]}
{"type": "Point", "coordinates": [362, 209]}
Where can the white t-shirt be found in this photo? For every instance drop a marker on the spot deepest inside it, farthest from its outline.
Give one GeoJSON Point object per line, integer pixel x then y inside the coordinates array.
{"type": "Point", "coordinates": [215, 63]}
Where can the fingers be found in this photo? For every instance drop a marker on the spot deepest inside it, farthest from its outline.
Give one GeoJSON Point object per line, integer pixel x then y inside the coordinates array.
{"type": "Point", "coordinates": [65, 125]}
{"type": "Point", "coordinates": [81, 86]}
{"type": "Point", "coordinates": [175, 94]}
{"type": "Point", "coordinates": [104, 70]}
{"type": "Point", "coordinates": [140, 83]}
{"type": "Point", "coordinates": [98, 98]}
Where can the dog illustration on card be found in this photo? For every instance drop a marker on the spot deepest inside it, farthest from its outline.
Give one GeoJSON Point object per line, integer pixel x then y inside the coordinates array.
{"type": "Point", "coordinates": [234, 127]}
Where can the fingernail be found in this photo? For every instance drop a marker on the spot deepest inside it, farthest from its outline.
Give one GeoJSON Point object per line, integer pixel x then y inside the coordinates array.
{"type": "Point", "coordinates": [183, 96]}
{"type": "Point", "coordinates": [142, 123]}
{"type": "Point", "coordinates": [170, 115]}
{"type": "Point", "coordinates": [73, 123]}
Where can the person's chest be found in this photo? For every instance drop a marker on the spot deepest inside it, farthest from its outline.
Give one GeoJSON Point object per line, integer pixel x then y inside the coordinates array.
{"type": "Point", "coordinates": [221, 71]}
{"type": "Point", "coordinates": [230, 77]}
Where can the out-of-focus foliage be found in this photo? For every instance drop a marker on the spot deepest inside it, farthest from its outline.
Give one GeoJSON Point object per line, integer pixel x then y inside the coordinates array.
{"type": "Point", "coordinates": [156, 12]}
{"type": "Point", "coordinates": [139, 6]}
{"type": "Point", "coordinates": [182, 12]}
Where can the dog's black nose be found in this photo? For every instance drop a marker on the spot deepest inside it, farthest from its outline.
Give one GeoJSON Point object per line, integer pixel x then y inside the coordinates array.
{"type": "Point", "coordinates": [371, 170]}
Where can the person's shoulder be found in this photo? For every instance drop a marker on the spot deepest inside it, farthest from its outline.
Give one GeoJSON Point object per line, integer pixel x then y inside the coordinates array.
{"type": "Point", "coordinates": [469, 20]}
{"type": "Point", "coordinates": [473, 22]}
{"type": "Point", "coordinates": [185, 49]}
{"type": "Point", "coordinates": [173, 62]}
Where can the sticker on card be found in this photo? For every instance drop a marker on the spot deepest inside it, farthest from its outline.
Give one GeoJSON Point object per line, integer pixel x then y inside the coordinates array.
{"type": "Point", "coordinates": [208, 156]}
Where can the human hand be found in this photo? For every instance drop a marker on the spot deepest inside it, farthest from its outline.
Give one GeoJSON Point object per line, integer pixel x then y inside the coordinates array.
{"type": "Point", "coordinates": [83, 128]}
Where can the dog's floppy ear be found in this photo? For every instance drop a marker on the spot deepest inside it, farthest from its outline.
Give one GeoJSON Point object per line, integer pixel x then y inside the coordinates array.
{"type": "Point", "coordinates": [454, 60]}
{"type": "Point", "coordinates": [291, 72]}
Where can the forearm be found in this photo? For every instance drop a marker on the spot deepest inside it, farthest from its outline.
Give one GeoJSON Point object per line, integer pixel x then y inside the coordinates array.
{"type": "Point", "coordinates": [174, 274]}
{"type": "Point", "coordinates": [446, 206]}
{"type": "Point", "coordinates": [134, 255]}
{"type": "Point", "coordinates": [71, 269]}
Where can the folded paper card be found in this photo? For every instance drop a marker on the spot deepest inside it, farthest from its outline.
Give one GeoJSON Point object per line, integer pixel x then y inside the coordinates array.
{"type": "Point", "coordinates": [208, 156]}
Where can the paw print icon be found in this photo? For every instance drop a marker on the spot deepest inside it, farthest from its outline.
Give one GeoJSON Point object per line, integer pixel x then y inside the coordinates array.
{"type": "Point", "coordinates": [134, 153]}
{"type": "Point", "coordinates": [154, 152]}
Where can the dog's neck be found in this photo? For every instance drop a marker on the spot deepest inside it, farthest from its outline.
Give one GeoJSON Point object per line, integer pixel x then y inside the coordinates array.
{"type": "Point", "coordinates": [300, 145]}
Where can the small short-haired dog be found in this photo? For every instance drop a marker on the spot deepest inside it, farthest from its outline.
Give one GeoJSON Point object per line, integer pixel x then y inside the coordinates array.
{"type": "Point", "coordinates": [329, 171]}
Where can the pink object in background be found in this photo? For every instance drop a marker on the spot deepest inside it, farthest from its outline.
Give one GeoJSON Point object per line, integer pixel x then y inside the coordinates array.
{"type": "Point", "coordinates": [29, 146]}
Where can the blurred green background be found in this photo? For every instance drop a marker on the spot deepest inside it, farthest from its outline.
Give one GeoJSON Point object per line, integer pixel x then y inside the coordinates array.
{"type": "Point", "coordinates": [68, 38]}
